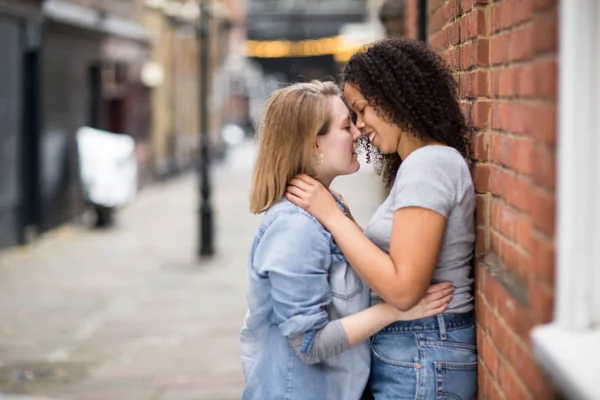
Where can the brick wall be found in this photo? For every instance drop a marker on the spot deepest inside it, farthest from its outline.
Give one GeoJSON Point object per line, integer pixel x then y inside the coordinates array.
{"type": "Point", "coordinates": [505, 57]}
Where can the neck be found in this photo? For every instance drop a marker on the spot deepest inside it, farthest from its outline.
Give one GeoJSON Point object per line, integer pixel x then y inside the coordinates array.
{"type": "Point", "coordinates": [410, 143]}
{"type": "Point", "coordinates": [325, 180]}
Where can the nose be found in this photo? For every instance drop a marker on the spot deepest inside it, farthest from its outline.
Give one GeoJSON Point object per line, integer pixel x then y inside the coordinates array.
{"type": "Point", "coordinates": [360, 124]}
{"type": "Point", "coordinates": [356, 133]}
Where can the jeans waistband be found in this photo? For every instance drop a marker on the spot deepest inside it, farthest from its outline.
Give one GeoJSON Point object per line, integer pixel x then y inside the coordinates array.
{"type": "Point", "coordinates": [442, 322]}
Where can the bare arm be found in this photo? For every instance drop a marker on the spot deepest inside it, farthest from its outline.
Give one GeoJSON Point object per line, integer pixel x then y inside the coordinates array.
{"type": "Point", "coordinates": [400, 278]}
{"type": "Point", "coordinates": [340, 335]}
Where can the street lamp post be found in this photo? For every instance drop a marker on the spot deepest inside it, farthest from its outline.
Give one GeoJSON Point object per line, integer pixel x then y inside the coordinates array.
{"type": "Point", "coordinates": [205, 212]}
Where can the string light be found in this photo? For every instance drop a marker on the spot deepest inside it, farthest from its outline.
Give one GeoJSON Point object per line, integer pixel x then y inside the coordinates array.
{"type": "Point", "coordinates": [336, 46]}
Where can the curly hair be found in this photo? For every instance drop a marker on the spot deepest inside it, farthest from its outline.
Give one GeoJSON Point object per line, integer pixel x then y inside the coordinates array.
{"type": "Point", "coordinates": [408, 85]}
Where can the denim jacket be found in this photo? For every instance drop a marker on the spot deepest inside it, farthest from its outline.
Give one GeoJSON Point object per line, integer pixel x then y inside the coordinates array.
{"type": "Point", "coordinates": [298, 280]}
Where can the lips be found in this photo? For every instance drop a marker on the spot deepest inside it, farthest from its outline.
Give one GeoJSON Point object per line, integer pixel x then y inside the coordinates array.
{"type": "Point", "coordinates": [371, 136]}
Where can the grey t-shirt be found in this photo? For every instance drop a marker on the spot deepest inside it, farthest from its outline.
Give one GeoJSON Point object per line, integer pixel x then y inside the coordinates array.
{"type": "Point", "coordinates": [436, 178]}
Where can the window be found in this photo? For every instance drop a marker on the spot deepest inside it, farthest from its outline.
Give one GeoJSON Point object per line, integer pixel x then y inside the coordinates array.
{"type": "Point", "coordinates": [569, 347]}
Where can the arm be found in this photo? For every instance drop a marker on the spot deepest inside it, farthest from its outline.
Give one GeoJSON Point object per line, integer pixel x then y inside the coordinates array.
{"type": "Point", "coordinates": [402, 277]}
{"type": "Point", "coordinates": [296, 256]}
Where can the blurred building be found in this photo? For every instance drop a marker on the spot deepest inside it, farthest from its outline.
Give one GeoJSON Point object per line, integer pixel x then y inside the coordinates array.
{"type": "Point", "coordinates": [94, 52]}
{"type": "Point", "coordinates": [20, 52]}
{"type": "Point", "coordinates": [535, 106]}
{"type": "Point", "coordinates": [296, 40]}
{"type": "Point", "coordinates": [173, 71]}
{"type": "Point", "coordinates": [127, 67]}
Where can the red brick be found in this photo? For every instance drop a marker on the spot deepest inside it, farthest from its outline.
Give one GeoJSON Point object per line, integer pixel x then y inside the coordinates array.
{"type": "Point", "coordinates": [523, 162]}
{"type": "Point", "coordinates": [506, 14]}
{"type": "Point", "coordinates": [498, 180]}
{"type": "Point", "coordinates": [545, 32]}
{"type": "Point", "coordinates": [517, 319]}
{"type": "Point", "coordinates": [530, 372]}
{"type": "Point", "coordinates": [455, 33]}
{"type": "Point", "coordinates": [479, 146]}
{"type": "Point", "coordinates": [541, 122]}
{"type": "Point", "coordinates": [495, 74]}
{"type": "Point", "coordinates": [481, 245]}
{"type": "Point", "coordinates": [496, 393]}
{"type": "Point", "coordinates": [481, 15]}
{"type": "Point", "coordinates": [437, 40]}
{"type": "Point", "coordinates": [500, 46]}
{"type": "Point", "coordinates": [483, 381]}
{"type": "Point", "coordinates": [539, 5]}
{"type": "Point", "coordinates": [543, 261]}
{"type": "Point", "coordinates": [483, 311]}
{"type": "Point", "coordinates": [490, 356]}
{"type": "Point", "coordinates": [541, 300]}
{"type": "Point", "coordinates": [436, 20]}
{"type": "Point", "coordinates": [481, 52]}
{"type": "Point", "coordinates": [544, 159]}
{"type": "Point", "coordinates": [501, 116]}
{"type": "Point", "coordinates": [481, 178]}
{"type": "Point", "coordinates": [480, 277]}
{"type": "Point", "coordinates": [517, 191]}
{"type": "Point", "coordinates": [521, 43]}
{"type": "Point", "coordinates": [482, 114]}
{"type": "Point", "coordinates": [466, 107]}
{"type": "Point", "coordinates": [523, 11]}
{"type": "Point", "coordinates": [510, 257]}
{"type": "Point", "coordinates": [467, 5]}
{"type": "Point", "coordinates": [525, 81]}
{"type": "Point", "coordinates": [514, 225]}
{"type": "Point", "coordinates": [511, 385]}
{"type": "Point", "coordinates": [478, 84]}
{"type": "Point", "coordinates": [545, 78]}
{"type": "Point", "coordinates": [481, 210]}
{"type": "Point", "coordinates": [543, 212]}
{"type": "Point", "coordinates": [505, 82]}
{"type": "Point", "coordinates": [499, 334]}
{"type": "Point", "coordinates": [496, 213]}
{"type": "Point", "coordinates": [524, 230]}
{"type": "Point", "coordinates": [466, 58]}
{"type": "Point", "coordinates": [519, 118]}
{"type": "Point", "coordinates": [491, 290]}
{"type": "Point", "coordinates": [512, 151]}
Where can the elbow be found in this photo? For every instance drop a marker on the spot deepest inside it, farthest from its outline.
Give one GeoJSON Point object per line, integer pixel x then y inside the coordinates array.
{"type": "Point", "coordinates": [403, 301]}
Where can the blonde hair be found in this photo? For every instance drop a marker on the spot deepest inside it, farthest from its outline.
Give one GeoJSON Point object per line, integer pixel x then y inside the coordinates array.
{"type": "Point", "coordinates": [293, 118]}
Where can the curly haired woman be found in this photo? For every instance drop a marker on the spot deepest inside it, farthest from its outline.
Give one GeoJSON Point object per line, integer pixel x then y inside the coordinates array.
{"type": "Point", "coordinates": [406, 106]}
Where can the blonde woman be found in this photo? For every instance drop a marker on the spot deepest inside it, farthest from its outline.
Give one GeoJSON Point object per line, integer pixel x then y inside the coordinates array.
{"type": "Point", "coordinates": [304, 336]}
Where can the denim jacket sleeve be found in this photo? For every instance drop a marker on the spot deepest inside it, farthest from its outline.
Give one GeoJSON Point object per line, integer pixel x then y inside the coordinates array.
{"type": "Point", "coordinates": [295, 255]}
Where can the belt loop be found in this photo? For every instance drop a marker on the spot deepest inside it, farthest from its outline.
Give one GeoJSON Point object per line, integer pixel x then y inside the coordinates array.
{"type": "Point", "coordinates": [442, 326]}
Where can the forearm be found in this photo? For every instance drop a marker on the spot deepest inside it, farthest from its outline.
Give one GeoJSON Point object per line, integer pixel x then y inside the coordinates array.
{"type": "Point", "coordinates": [373, 265]}
{"type": "Point", "coordinates": [362, 325]}
{"type": "Point", "coordinates": [340, 335]}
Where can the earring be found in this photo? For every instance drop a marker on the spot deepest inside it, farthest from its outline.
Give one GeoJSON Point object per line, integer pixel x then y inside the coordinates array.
{"type": "Point", "coordinates": [318, 158]}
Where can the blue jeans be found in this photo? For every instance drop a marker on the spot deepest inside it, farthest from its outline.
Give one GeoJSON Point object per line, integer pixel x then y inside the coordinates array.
{"type": "Point", "coordinates": [429, 358]}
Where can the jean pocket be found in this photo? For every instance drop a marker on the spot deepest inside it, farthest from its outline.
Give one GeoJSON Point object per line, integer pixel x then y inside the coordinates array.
{"type": "Point", "coordinates": [395, 368]}
{"type": "Point", "coordinates": [343, 281]}
{"type": "Point", "coordinates": [456, 381]}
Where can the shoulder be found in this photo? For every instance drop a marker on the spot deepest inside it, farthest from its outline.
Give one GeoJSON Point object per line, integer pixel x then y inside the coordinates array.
{"type": "Point", "coordinates": [286, 217]}
{"type": "Point", "coordinates": [433, 163]}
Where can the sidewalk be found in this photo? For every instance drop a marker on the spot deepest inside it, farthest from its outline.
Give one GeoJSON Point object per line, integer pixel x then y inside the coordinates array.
{"type": "Point", "coordinates": [129, 313]}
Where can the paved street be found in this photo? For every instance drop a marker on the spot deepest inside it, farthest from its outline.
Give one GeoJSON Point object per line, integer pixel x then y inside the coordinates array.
{"type": "Point", "coordinates": [129, 313]}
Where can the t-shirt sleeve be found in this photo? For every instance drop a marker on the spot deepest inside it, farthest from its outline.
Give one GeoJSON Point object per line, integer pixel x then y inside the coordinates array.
{"type": "Point", "coordinates": [427, 182]}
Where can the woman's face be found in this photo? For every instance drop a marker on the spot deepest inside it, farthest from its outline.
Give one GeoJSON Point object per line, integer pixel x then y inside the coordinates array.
{"type": "Point", "coordinates": [381, 134]}
{"type": "Point", "coordinates": [338, 146]}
